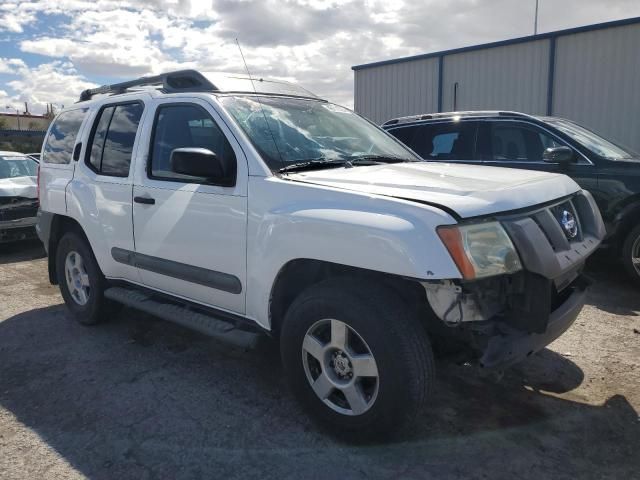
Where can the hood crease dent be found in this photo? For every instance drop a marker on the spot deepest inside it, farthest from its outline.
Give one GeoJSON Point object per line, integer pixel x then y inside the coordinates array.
{"type": "Point", "coordinates": [18, 187]}
{"type": "Point", "coordinates": [466, 190]}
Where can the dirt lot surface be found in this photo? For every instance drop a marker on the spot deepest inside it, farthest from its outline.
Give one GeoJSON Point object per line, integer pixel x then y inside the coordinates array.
{"type": "Point", "coordinates": [141, 398]}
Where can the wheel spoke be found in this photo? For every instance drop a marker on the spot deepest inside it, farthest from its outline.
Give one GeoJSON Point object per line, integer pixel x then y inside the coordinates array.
{"type": "Point", "coordinates": [82, 296]}
{"type": "Point", "coordinates": [69, 264]}
{"type": "Point", "coordinates": [636, 261]}
{"type": "Point", "coordinates": [312, 346]}
{"type": "Point", "coordinates": [84, 279]}
{"type": "Point", "coordinates": [338, 334]}
{"type": "Point", "coordinates": [356, 399]}
{"type": "Point", "coordinates": [364, 366]}
{"type": "Point", "coordinates": [322, 386]}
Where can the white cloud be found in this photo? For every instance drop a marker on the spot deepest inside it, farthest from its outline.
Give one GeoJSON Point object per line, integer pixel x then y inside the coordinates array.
{"type": "Point", "coordinates": [56, 82]}
{"type": "Point", "coordinates": [314, 42]}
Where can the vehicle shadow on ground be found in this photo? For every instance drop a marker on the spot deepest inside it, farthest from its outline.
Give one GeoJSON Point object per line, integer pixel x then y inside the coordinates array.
{"type": "Point", "coordinates": [142, 398]}
{"type": "Point", "coordinates": [613, 290]}
{"type": "Point", "coordinates": [21, 251]}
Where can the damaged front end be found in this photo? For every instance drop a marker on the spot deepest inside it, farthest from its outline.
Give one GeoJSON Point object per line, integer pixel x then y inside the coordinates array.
{"type": "Point", "coordinates": [17, 218]}
{"type": "Point", "coordinates": [506, 317]}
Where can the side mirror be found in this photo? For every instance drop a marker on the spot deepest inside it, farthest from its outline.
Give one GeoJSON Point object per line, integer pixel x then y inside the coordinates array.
{"type": "Point", "coordinates": [202, 162]}
{"type": "Point", "coordinates": [560, 155]}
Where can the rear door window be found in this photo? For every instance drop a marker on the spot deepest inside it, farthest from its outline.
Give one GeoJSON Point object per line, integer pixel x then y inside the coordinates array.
{"type": "Point", "coordinates": [113, 137]}
{"type": "Point", "coordinates": [440, 141]}
{"type": "Point", "coordinates": [58, 147]}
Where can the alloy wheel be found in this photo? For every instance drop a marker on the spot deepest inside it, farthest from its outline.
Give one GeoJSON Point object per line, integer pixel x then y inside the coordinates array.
{"type": "Point", "coordinates": [77, 278]}
{"type": "Point", "coordinates": [340, 367]}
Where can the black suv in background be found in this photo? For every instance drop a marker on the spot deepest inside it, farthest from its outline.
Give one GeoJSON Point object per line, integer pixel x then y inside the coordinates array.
{"type": "Point", "coordinates": [510, 139]}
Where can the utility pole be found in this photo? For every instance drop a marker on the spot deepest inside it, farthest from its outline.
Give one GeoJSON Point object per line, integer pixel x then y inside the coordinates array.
{"type": "Point", "coordinates": [17, 114]}
{"type": "Point", "coordinates": [535, 21]}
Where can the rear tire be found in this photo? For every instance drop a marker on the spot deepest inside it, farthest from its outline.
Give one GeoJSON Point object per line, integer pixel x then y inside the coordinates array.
{"type": "Point", "coordinates": [81, 282]}
{"type": "Point", "coordinates": [361, 397]}
{"type": "Point", "coordinates": [631, 254]}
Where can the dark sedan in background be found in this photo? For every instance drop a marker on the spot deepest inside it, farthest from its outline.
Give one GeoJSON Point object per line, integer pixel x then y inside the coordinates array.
{"type": "Point", "coordinates": [510, 139]}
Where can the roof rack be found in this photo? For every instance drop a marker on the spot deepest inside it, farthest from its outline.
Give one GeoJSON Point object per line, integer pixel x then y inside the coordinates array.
{"type": "Point", "coordinates": [470, 113]}
{"type": "Point", "coordinates": [171, 82]}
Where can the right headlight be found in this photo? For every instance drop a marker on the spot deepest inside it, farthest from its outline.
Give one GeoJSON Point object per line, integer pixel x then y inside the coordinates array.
{"type": "Point", "coordinates": [480, 250]}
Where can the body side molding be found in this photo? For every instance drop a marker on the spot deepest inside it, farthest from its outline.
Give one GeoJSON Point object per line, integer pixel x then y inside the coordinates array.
{"type": "Point", "coordinates": [181, 271]}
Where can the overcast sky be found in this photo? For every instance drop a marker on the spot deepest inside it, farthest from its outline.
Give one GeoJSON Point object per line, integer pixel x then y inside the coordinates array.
{"type": "Point", "coordinates": [50, 51]}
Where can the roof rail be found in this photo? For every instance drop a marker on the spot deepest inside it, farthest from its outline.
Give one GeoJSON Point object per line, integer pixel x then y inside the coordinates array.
{"type": "Point", "coordinates": [178, 81]}
{"type": "Point", "coordinates": [467, 113]}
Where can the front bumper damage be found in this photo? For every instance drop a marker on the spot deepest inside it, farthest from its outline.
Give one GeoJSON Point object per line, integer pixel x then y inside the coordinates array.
{"type": "Point", "coordinates": [17, 218]}
{"type": "Point", "coordinates": [505, 319]}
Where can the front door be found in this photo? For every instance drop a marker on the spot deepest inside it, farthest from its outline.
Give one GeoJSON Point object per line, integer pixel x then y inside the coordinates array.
{"type": "Point", "coordinates": [190, 236]}
{"type": "Point", "coordinates": [518, 144]}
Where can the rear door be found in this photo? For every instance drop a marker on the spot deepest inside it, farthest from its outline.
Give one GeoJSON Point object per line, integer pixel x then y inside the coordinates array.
{"type": "Point", "coordinates": [100, 194]}
{"type": "Point", "coordinates": [190, 235]}
{"type": "Point", "coordinates": [450, 141]}
{"type": "Point", "coordinates": [520, 144]}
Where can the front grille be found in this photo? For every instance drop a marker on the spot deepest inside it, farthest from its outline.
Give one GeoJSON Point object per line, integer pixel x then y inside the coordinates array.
{"type": "Point", "coordinates": [560, 224]}
{"type": "Point", "coordinates": [555, 240]}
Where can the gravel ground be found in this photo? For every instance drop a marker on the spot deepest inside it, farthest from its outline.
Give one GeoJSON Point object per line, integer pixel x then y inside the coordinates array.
{"type": "Point", "coordinates": [142, 398]}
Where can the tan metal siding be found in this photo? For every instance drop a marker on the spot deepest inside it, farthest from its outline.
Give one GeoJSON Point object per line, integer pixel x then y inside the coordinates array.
{"type": "Point", "coordinates": [511, 77]}
{"type": "Point", "coordinates": [597, 81]}
{"type": "Point", "coordinates": [391, 91]}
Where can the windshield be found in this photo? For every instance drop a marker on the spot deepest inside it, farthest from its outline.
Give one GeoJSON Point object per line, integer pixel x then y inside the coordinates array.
{"type": "Point", "coordinates": [11, 167]}
{"type": "Point", "coordinates": [593, 142]}
{"type": "Point", "coordinates": [301, 130]}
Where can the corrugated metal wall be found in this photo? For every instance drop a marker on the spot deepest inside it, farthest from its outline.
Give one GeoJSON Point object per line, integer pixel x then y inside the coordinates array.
{"type": "Point", "coordinates": [513, 77]}
{"type": "Point", "coordinates": [597, 82]}
{"type": "Point", "coordinates": [390, 91]}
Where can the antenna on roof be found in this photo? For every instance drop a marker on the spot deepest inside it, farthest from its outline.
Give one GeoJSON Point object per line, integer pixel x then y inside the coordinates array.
{"type": "Point", "coordinates": [246, 67]}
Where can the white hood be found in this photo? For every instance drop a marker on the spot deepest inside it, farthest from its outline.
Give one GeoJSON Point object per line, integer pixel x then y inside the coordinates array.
{"type": "Point", "coordinates": [469, 190]}
{"type": "Point", "coordinates": [18, 187]}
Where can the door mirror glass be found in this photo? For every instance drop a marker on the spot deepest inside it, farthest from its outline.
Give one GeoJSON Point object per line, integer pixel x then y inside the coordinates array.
{"type": "Point", "coordinates": [200, 162]}
{"type": "Point", "coordinates": [561, 155]}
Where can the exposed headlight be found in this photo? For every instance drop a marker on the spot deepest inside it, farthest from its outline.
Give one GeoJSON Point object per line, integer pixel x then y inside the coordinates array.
{"type": "Point", "coordinates": [480, 250]}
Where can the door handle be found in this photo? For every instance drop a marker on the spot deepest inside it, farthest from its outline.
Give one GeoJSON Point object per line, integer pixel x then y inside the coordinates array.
{"type": "Point", "coordinates": [145, 200]}
{"type": "Point", "coordinates": [76, 151]}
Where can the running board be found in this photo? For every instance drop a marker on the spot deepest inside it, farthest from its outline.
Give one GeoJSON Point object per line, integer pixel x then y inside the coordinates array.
{"type": "Point", "coordinates": [217, 328]}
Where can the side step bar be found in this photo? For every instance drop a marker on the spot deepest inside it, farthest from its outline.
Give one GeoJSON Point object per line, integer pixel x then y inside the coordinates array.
{"type": "Point", "coordinates": [217, 328]}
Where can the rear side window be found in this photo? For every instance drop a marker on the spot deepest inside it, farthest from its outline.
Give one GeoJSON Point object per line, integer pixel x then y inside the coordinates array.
{"type": "Point", "coordinates": [112, 139]}
{"type": "Point", "coordinates": [58, 147]}
{"type": "Point", "coordinates": [440, 141]}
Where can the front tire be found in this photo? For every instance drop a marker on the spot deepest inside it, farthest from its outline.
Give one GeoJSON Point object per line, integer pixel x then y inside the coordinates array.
{"type": "Point", "coordinates": [631, 254]}
{"type": "Point", "coordinates": [356, 358]}
{"type": "Point", "coordinates": [81, 281]}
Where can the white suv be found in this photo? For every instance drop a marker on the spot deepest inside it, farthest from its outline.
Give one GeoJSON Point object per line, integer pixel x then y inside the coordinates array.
{"type": "Point", "coordinates": [241, 208]}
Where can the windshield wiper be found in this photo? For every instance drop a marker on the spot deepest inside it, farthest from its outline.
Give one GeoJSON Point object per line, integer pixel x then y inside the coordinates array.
{"type": "Point", "coordinates": [379, 159]}
{"type": "Point", "coordinates": [320, 163]}
{"type": "Point", "coordinates": [315, 164]}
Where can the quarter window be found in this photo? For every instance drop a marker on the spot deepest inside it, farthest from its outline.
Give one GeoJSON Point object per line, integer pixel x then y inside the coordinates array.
{"type": "Point", "coordinates": [58, 147]}
{"type": "Point", "coordinates": [179, 126]}
{"type": "Point", "coordinates": [111, 144]}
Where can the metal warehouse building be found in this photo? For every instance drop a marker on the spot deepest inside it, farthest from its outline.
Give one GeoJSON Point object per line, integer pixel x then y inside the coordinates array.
{"type": "Point", "coordinates": [589, 74]}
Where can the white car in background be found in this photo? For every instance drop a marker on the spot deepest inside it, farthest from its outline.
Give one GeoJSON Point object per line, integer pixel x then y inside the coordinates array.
{"type": "Point", "coordinates": [18, 196]}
